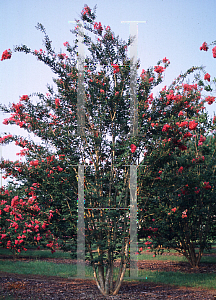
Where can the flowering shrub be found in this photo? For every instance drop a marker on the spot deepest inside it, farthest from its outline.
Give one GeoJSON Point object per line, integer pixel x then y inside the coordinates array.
{"type": "Point", "coordinates": [182, 201]}
{"type": "Point", "coordinates": [23, 223]}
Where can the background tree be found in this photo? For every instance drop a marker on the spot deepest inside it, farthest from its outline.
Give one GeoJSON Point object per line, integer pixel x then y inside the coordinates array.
{"type": "Point", "coordinates": [179, 177]}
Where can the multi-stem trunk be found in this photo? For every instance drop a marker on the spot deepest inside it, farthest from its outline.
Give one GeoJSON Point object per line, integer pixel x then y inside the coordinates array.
{"type": "Point", "coordinates": [105, 281]}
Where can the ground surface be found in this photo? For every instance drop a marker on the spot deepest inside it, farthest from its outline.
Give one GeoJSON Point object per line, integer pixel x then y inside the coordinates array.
{"type": "Point", "coordinates": [46, 288]}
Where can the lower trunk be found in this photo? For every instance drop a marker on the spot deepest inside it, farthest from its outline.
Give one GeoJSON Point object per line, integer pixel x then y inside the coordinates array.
{"type": "Point", "coordinates": [192, 257]}
{"type": "Point", "coordinates": [105, 282]}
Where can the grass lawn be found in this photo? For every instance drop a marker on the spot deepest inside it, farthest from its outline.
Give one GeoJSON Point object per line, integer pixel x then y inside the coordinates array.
{"type": "Point", "coordinates": [197, 280]}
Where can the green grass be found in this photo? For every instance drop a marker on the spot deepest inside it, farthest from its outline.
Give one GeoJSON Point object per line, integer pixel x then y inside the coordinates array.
{"type": "Point", "coordinates": [66, 270]}
{"type": "Point", "coordinates": [146, 256]}
{"type": "Point", "coordinates": [196, 280]}
{"type": "Point", "coordinates": [204, 259]}
{"type": "Point", "coordinates": [38, 267]}
{"type": "Point", "coordinates": [201, 280]}
{"type": "Point", "coordinates": [38, 253]}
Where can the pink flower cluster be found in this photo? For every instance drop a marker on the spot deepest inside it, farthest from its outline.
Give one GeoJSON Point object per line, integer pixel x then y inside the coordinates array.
{"type": "Point", "coordinates": [207, 186]}
{"type": "Point", "coordinates": [184, 214]}
{"type": "Point", "coordinates": [116, 68]}
{"type": "Point", "coordinates": [98, 27]}
{"type": "Point", "coordinates": [210, 99]}
{"type": "Point", "coordinates": [86, 11]}
{"type": "Point", "coordinates": [66, 44]}
{"type": "Point", "coordinates": [214, 52]}
{"type": "Point", "coordinates": [166, 127]}
{"type": "Point", "coordinates": [5, 138]}
{"type": "Point", "coordinates": [204, 47]}
{"type": "Point", "coordinates": [6, 54]}
{"type": "Point", "coordinates": [207, 77]}
{"type": "Point", "coordinates": [133, 148]}
{"type": "Point", "coordinates": [159, 69]}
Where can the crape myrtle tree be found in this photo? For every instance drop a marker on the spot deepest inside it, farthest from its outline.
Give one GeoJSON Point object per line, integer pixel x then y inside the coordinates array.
{"type": "Point", "coordinates": [179, 176]}
{"type": "Point", "coordinates": [180, 188]}
{"type": "Point", "coordinates": [105, 148]}
{"type": "Point", "coordinates": [50, 173]}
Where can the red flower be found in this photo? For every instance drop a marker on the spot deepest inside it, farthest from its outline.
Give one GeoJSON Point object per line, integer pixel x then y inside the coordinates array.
{"type": "Point", "coordinates": [3, 236]}
{"type": "Point", "coordinates": [182, 147]}
{"type": "Point", "coordinates": [166, 127]}
{"type": "Point", "coordinates": [24, 98]}
{"type": "Point", "coordinates": [86, 11]}
{"type": "Point", "coordinates": [14, 201]}
{"type": "Point", "coordinates": [133, 148]}
{"type": "Point", "coordinates": [165, 60]}
{"type": "Point", "coordinates": [34, 163]}
{"type": "Point", "coordinates": [59, 169]}
{"type": "Point", "coordinates": [183, 124]}
{"type": "Point", "coordinates": [173, 209]}
{"type": "Point", "coordinates": [57, 102]}
{"type": "Point", "coordinates": [214, 52]}
{"type": "Point", "coordinates": [98, 27]}
{"type": "Point", "coordinates": [207, 186]}
{"type": "Point", "coordinates": [204, 47]}
{"type": "Point", "coordinates": [202, 138]}
{"type": "Point", "coordinates": [116, 68]}
{"type": "Point", "coordinates": [210, 100]}
{"type": "Point", "coordinates": [101, 91]}
{"type": "Point", "coordinates": [207, 77]}
{"type": "Point", "coordinates": [151, 79]}
{"type": "Point", "coordinates": [197, 191]}
{"type": "Point", "coordinates": [192, 125]}
{"type": "Point", "coordinates": [187, 134]}
{"type": "Point", "coordinates": [6, 54]}
{"type": "Point", "coordinates": [180, 169]}
{"type": "Point", "coordinates": [159, 69]}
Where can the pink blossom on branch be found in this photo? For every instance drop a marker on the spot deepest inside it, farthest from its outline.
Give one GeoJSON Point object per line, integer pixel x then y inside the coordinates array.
{"type": "Point", "coordinates": [207, 186]}
{"type": "Point", "coordinates": [116, 68]}
{"type": "Point", "coordinates": [180, 169]}
{"type": "Point", "coordinates": [204, 47]}
{"type": "Point", "coordinates": [6, 54]}
{"type": "Point", "coordinates": [133, 148]}
{"type": "Point", "coordinates": [214, 52]}
{"type": "Point", "coordinates": [159, 69]}
{"type": "Point", "coordinates": [165, 60]}
{"type": "Point", "coordinates": [98, 27]}
{"type": "Point", "coordinates": [210, 100]}
{"type": "Point", "coordinates": [192, 125]}
{"type": "Point", "coordinates": [207, 77]}
{"type": "Point", "coordinates": [166, 127]}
